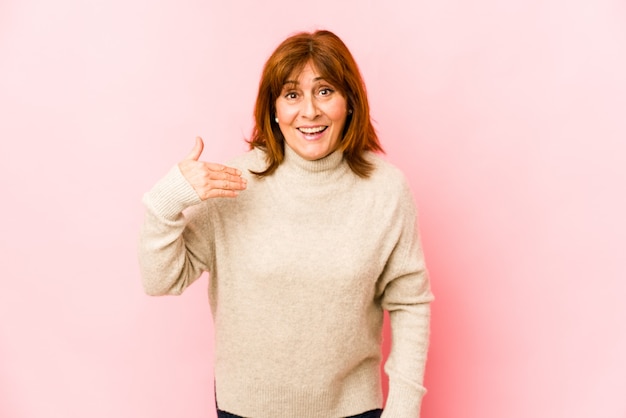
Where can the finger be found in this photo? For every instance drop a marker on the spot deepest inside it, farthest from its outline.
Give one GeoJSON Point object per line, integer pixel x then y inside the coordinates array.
{"type": "Point", "coordinates": [197, 150]}
{"type": "Point", "coordinates": [223, 175]}
{"type": "Point", "coordinates": [221, 188]}
{"type": "Point", "coordinates": [227, 185]}
{"type": "Point", "coordinates": [223, 169]}
{"type": "Point", "coordinates": [222, 193]}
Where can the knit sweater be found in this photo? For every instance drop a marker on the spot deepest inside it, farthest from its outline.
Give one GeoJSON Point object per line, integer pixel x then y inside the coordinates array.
{"type": "Point", "coordinates": [302, 264]}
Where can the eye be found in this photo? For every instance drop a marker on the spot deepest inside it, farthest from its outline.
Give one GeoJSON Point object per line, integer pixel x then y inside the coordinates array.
{"type": "Point", "coordinates": [326, 91]}
{"type": "Point", "coordinates": [292, 95]}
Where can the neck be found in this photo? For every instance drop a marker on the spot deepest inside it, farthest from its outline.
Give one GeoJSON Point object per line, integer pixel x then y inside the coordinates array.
{"type": "Point", "coordinates": [327, 163]}
{"type": "Point", "coordinates": [300, 172]}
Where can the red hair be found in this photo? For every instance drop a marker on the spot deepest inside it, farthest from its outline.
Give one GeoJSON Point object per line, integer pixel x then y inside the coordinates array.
{"type": "Point", "coordinates": [334, 62]}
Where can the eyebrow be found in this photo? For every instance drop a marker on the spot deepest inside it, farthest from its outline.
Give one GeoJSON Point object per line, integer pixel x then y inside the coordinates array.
{"type": "Point", "coordinates": [296, 82]}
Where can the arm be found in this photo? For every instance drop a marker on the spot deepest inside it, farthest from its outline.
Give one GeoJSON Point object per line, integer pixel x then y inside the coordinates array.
{"type": "Point", "coordinates": [172, 251]}
{"type": "Point", "coordinates": [407, 298]}
{"type": "Point", "coordinates": [174, 247]}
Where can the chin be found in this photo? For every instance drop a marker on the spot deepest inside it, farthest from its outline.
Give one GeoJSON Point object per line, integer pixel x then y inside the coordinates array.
{"type": "Point", "coordinates": [317, 154]}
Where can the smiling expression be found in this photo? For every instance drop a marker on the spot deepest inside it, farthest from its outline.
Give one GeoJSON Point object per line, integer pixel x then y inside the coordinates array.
{"type": "Point", "coordinates": [311, 114]}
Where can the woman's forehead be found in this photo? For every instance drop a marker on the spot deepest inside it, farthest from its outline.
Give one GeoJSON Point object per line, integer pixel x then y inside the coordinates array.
{"type": "Point", "coordinates": [307, 70]}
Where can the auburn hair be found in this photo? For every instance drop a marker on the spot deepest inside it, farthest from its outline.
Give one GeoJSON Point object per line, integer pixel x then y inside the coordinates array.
{"type": "Point", "coordinates": [333, 61]}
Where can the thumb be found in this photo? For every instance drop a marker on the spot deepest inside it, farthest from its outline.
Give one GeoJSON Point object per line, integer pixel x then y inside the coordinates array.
{"type": "Point", "coordinates": [196, 151]}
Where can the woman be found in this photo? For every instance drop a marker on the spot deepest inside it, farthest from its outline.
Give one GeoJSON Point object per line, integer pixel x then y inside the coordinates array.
{"type": "Point", "coordinates": [307, 238]}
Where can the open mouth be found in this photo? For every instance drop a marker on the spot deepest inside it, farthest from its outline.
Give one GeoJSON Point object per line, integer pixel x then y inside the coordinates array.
{"type": "Point", "coordinates": [313, 131]}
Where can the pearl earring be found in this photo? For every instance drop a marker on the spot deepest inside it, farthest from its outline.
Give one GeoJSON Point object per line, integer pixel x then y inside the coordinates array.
{"type": "Point", "coordinates": [276, 119]}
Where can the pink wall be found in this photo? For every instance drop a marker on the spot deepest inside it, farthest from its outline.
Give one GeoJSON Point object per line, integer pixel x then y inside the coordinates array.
{"type": "Point", "coordinates": [508, 118]}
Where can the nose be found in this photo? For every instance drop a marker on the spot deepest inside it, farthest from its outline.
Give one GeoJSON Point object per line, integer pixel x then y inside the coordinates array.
{"type": "Point", "coordinates": [309, 108]}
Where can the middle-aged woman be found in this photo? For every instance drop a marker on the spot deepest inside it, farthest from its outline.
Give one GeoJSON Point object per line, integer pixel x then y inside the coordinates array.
{"type": "Point", "coordinates": [307, 238]}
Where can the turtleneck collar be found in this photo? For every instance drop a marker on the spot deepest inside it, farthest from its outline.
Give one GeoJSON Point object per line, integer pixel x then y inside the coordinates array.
{"type": "Point", "coordinates": [328, 163]}
{"type": "Point", "coordinates": [296, 171]}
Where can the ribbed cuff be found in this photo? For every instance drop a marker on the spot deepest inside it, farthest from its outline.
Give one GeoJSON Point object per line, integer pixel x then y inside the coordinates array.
{"type": "Point", "coordinates": [403, 401]}
{"type": "Point", "coordinates": [171, 195]}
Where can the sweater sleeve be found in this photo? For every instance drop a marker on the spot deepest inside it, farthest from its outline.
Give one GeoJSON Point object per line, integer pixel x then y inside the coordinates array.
{"type": "Point", "coordinates": [173, 247]}
{"type": "Point", "coordinates": [406, 296]}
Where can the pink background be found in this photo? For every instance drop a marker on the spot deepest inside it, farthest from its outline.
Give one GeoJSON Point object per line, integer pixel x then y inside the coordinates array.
{"type": "Point", "coordinates": [509, 118]}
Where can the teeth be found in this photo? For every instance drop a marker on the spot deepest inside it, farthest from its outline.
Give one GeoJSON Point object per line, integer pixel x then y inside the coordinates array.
{"type": "Point", "coordinates": [312, 130]}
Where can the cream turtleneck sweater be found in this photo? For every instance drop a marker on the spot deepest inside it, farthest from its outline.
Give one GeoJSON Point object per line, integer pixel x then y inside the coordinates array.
{"type": "Point", "coordinates": [302, 264]}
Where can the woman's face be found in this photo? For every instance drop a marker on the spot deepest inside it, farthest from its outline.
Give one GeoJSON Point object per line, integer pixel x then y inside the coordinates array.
{"type": "Point", "coordinates": [311, 114]}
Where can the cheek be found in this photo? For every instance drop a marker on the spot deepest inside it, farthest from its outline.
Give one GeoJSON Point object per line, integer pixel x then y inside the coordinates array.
{"type": "Point", "coordinates": [339, 117]}
{"type": "Point", "coordinates": [284, 113]}
{"type": "Point", "coordinates": [338, 112]}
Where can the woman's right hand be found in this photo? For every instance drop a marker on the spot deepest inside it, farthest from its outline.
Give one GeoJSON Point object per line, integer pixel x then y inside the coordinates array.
{"type": "Point", "coordinates": [210, 179]}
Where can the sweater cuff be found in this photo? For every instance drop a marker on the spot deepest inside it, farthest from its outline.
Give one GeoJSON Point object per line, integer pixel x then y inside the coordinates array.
{"type": "Point", "coordinates": [171, 195]}
{"type": "Point", "coordinates": [404, 400]}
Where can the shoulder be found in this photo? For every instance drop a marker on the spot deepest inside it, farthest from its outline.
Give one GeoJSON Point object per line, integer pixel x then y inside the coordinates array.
{"type": "Point", "coordinates": [253, 159]}
{"type": "Point", "coordinates": [390, 184]}
{"type": "Point", "coordinates": [386, 174]}
{"type": "Point", "coordinates": [250, 161]}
